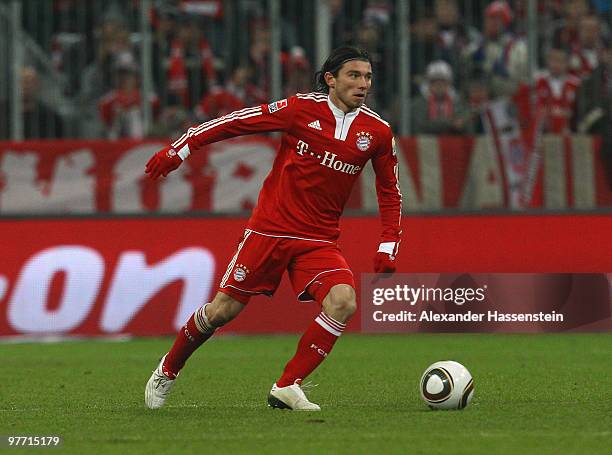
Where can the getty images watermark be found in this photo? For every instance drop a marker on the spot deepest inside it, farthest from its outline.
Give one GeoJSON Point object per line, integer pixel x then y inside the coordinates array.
{"type": "Point", "coordinates": [485, 302]}
{"type": "Point", "coordinates": [407, 295]}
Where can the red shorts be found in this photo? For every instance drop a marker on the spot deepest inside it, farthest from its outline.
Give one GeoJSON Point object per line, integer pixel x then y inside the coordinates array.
{"type": "Point", "coordinates": [314, 267]}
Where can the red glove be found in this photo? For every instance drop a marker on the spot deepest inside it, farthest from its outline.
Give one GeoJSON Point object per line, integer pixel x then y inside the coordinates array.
{"type": "Point", "coordinates": [384, 263]}
{"type": "Point", "coordinates": [162, 163]}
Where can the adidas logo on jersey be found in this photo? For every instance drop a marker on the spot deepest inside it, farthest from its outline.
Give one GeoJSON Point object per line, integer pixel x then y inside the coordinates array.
{"type": "Point", "coordinates": [316, 125]}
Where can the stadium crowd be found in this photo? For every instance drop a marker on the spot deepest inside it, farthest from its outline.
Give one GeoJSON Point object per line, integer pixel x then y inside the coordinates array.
{"type": "Point", "coordinates": [460, 60]}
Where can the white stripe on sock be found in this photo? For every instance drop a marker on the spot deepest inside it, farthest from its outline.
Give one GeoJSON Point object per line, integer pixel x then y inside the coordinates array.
{"type": "Point", "coordinates": [201, 321]}
{"type": "Point", "coordinates": [327, 327]}
{"type": "Point", "coordinates": [331, 325]}
{"type": "Point", "coordinates": [331, 321]}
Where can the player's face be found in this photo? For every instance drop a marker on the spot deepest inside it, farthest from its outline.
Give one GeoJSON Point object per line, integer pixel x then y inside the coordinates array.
{"type": "Point", "coordinates": [349, 89]}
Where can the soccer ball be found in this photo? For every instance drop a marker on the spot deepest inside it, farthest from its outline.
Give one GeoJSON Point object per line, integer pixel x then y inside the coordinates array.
{"type": "Point", "coordinates": [447, 385]}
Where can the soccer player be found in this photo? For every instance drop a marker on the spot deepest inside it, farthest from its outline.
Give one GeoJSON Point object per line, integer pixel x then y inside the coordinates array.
{"type": "Point", "coordinates": [328, 137]}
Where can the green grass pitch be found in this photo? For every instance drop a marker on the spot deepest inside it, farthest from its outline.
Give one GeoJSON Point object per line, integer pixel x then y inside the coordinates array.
{"type": "Point", "coordinates": [545, 394]}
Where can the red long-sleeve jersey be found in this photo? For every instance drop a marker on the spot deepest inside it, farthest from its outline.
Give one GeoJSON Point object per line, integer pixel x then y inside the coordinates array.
{"type": "Point", "coordinates": [322, 152]}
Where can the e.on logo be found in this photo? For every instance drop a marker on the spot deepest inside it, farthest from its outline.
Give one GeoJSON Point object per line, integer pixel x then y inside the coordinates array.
{"type": "Point", "coordinates": [132, 285]}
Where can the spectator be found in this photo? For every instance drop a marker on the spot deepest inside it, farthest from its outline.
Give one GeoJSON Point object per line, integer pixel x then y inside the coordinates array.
{"type": "Point", "coordinates": [121, 108]}
{"type": "Point", "coordinates": [378, 11]}
{"type": "Point", "coordinates": [236, 94]}
{"type": "Point", "coordinates": [173, 120]}
{"type": "Point", "coordinates": [39, 122]}
{"type": "Point", "coordinates": [478, 95]}
{"type": "Point", "coordinates": [191, 68]}
{"type": "Point", "coordinates": [113, 44]}
{"type": "Point", "coordinates": [453, 36]}
{"type": "Point", "coordinates": [565, 32]}
{"type": "Point", "coordinates": [113, 41]}
{"type": "Point", "coordinates": [556, 93]}
{"type": "Point", "coordinates": [585, 51]}
{"type": "Point", "coordinates": [341, 25]}
{"type": "Point", "coordinates": [595, 106]}
{"type": "Point", "coordinates": [240, 85]}
{"type": "Point", "coordinates": [370, 37]}
{"type": "Point", "coordinates": [259, 56]}
{"type": "Point", "coordinates": [423, 42]}
{"type": "Point", "coordinates": [438, 110]}
{"type": "Point", "coordinates": [499, 54]}
{"type": "Point", "coordinates": [298, 78]}
{"type": "Point", "coordinates": [216, 103]}
{"type": "Point", "coordinates": [164, 24]}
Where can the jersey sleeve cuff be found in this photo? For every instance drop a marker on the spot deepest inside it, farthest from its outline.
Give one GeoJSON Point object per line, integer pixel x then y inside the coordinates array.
{"type": "Point", "coordinates": [184, 152]}
{"type": "Point", "coordinates": [387, 247]}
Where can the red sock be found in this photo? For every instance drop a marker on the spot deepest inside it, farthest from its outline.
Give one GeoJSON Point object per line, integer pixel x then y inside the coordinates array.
{"type": "Point", "coordinates": [313, 347]}
{"type": "Point", "coordinates": [191, 336]}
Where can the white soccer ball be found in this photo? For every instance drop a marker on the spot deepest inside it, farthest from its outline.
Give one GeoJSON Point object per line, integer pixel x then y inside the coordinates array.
{"type": "Point", "coordinates": [447, 385]}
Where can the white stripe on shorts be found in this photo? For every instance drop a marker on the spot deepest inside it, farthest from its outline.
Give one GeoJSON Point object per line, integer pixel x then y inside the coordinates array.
{"type": "Point", "coordinates": [232, 263]}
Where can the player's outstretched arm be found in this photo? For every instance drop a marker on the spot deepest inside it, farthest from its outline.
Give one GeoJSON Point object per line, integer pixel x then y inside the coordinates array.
{"type": "Point", "coordinates": [276, 116]}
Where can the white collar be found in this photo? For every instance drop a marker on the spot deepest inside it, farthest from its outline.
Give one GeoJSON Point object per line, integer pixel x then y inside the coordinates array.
{"type": "Point", "coordinates": [343, 120]}
{"type": "Point", "coordinates": [339, 113]}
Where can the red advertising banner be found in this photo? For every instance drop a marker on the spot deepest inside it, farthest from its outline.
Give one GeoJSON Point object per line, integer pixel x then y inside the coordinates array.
{"type": "Point", "coordinates": [146, 276]}
{"type": "Point", "coordinates": [85, 177]}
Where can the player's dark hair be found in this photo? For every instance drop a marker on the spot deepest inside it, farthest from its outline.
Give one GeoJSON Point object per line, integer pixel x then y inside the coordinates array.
{"type": "Point", "coordinates": [334, 62]}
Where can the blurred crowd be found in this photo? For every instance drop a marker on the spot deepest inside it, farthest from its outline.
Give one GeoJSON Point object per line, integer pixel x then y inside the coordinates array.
{"type": "Point", "coordinates": [568, 90]}
{"type": "Point", "coordinates": [460, 60]}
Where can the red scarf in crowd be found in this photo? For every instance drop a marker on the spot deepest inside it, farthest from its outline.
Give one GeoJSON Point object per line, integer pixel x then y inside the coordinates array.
{"type": "Point", "coordinates": [440, 109]}
{"type": "Point", "coordinates": [177, 69]}
{"type": "Point", "coordinates": [580, 65]}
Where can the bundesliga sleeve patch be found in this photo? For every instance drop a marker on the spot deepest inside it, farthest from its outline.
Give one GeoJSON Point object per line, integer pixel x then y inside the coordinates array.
{"type": "Point", "coordinates": [277, 106]}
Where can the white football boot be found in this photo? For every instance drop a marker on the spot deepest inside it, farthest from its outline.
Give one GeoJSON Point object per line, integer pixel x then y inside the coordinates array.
{"type": "Point", "coordinates": [158, 388]}
{"type": "Point", "coordinates": [291, 397]}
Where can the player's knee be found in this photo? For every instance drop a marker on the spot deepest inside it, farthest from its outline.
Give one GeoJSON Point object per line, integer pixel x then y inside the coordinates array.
{"type": "Point", "coordinates": [223, 309]}
{"type": "Point", "coordinates": [342, 302]}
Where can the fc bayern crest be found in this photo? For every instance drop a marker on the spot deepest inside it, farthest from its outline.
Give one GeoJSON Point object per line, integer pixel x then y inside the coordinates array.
{"type": "Point", "coordinates": [240, 272]}
{"type": "Point", "coordinates": [363, 140]}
